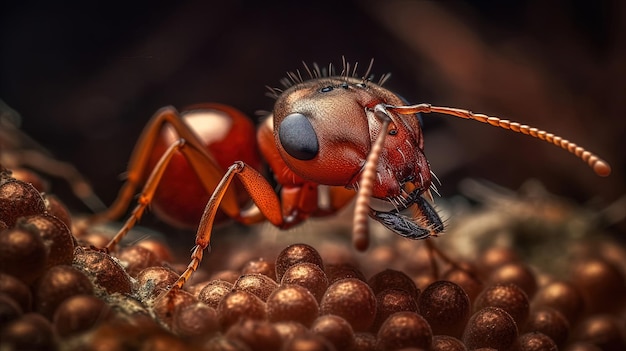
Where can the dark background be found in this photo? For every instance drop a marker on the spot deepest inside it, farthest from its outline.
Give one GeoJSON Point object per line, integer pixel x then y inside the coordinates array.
{"type": "Point", "coordinates": [87, 76]}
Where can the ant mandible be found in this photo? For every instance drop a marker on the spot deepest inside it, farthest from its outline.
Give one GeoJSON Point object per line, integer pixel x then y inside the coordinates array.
{"type": "Point", "coordinates": [342, 131]}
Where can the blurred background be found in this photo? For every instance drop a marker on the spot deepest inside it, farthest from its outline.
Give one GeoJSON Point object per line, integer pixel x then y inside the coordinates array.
{"type": "Point", "coordinates": [86, 77]}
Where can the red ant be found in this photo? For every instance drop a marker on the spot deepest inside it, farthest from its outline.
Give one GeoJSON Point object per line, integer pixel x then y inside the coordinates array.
{"type": "Point", "coordinates": [342, 131]}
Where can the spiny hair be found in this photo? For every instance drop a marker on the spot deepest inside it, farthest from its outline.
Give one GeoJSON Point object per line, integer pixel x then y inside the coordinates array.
{"type": "Point", "coordinates": [315, 71]}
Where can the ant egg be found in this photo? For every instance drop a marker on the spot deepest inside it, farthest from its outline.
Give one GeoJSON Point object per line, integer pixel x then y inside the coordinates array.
{"type": "Point", "coordinates": [22, 253]}
{"type": "Point", "coordinates": [257, 284]}
{"type": "Point", "coordinates": [103, 270]}
{"type": "Point", "coordinates": [535, 341]}
{"type": "Point", "coordinates": [57, 285]}
{"type": "Point", "coordinates": [79, 314]}
{"type": "Point", "coordinates": [405, 330]}
{"type": "Point", "coordinates": [490, 327]}
{"type": "Point", "coordinates": [259, 335]}
{"type": "Point", "coordinates": [18, 199]}
{"type": "Point", "coordinates": [17, 290]}
{"type": "Point", "coordinates": [351, 299]}
{"type": "Point", "coordinates": [292, 303]}
{"type": "Point", "coordinates": [294, 254]}
{"type": "Point", "coordinates": [445, 306]}
{"type": "Point", "coordinates": [508, 297]}
{"type": "Point", "coordinates": [238, 305]}
{"type": "Point", "coordinates": [391, 301]}
{"type": "Point", "coordinates": [550, 322]}
{"type": "Point", "coordinates": [309, 276]}
{"type": "Point", "coordinates": [334, 329]}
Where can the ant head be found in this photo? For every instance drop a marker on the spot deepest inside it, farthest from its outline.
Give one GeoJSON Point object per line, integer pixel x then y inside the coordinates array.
{"type": "Point", "coordinates": [325, 127]}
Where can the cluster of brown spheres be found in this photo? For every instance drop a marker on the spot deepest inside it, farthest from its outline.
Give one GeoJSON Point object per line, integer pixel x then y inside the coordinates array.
{"type": "Point", "coordinates": [59, 292]}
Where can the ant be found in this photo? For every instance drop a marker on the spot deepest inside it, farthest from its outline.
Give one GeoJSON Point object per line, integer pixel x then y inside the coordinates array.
{"type": "Point", "coordinates": [342, 131]}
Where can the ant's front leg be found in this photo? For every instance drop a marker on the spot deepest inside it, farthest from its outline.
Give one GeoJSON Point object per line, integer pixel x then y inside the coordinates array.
{"type": "Point", "coordinates": [263, 196]}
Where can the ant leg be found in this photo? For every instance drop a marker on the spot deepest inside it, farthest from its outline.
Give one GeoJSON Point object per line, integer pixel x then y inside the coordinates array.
{"type": "Point", "coordinates": [19, 149]}
{"type": "Point", "coordinates": [195, 156]}
{"type": "Point", "coordinates": [261, 193]}
{"type": "Point", "coordinates": [46, 164]}
{"type": "Point", "coordinates": [141, 154]}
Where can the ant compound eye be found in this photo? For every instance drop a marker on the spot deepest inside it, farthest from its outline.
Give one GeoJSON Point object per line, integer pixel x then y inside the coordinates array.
{"type": "Point", "coordinates": [298, 137]}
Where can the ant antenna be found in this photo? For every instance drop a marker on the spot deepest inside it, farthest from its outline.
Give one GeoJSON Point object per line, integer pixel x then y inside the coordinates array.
{"type": "Point", "coordinates": [360, 232]}
{"type": "Point", "coordinates": [599, 166]}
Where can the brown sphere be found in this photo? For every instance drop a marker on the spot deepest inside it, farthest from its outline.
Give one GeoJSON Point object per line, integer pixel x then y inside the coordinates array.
{"type": "Point", "coordinates": [467, 278]}
{"type": "Point", "coordinates": [28, 176]}
{"type": "Point", "coordinates": [515, 273]}
{"type": "Point", "coordinates": [57, 238]}
{"type": "Point", "coordinates": [353, 300]}
{"type": "Point", "coordinates": [78, 314]}
{"type": "Point", "coordinates": [158, 248]}
{"type": "Point", "coordinates": [495, 257]}
{"type": "Point", "coordinates": [57, 285]}
{"type": "Point", "coordinates": [405, 330]}
{"type": "Point", "coordinates": [508, 297]}
{"type": "Point", "coordinates": [308, 342]}
{"type": "Point", "coordinates": [222, 343]}
{"type": "Point", "coordinates": [103, 270]}
{"type": "Point", "coordinates": [155, 280]}
{"type": "Point", "coordinates": [22, 254]}
{"type": "Point", "coordinates": [195, 320]}
{"type": "Point", "coordinates": [601, 284]}
{"type": "Point", "coordinates": [582, 346]}
{"type": "Point", "coordinates": [550, 322]}
{"type": "Point", "coordinates": [336, 330]}
{"type": "Point", "coordinates": [18, 199]}
{"type": "Point", "coordinates": [490, 327]}
{"type": "Point", "coordinates": [364, 342]}
{"type": "Point", "coordinates": [228, 275]}
{"type": "Point", "coordinates": [604, 331]}
{"type": "Point", "coordinates": [238, 305]}
{"type": "Point", "coordinates": [166, 307]}
{"type": "Point", "coordinates": [447, 343]}
{"type": "Point", "coordinates": [260, 266]}
{"type": "Point", "coordinates": [391, 301]}
{"type": "Point", "coordinates": [294, 254]}
{"type": "Point", "coordinates": [17, 290]}
{"type": "Point", "coordinates": [56, 208]}
{"type": "Point", "coordinates": [29, 332]}
{"type": "Point", "coordinates": [10, 310]}
{"type": "Point", "coordinates": [214, 292]}
{"type": "Point", "coordinates": [93, 240]}
{"type": "Point", "coordinates": [292, 303]}
{"type": "Point", "coordinates": [535, 341]}
{"type": "Point", "coordinates": [137, 258]}
{"type": "Point", "coordinates": [309, 276]}
{"type": "Point", "coordinates": [445, 306]}
{"type": "Point", "coordinates": [289, 329]}
{"type": "Point", "coordinates": [392, 279]}
{"type": "Point", "coordinates": [564, 297]}
{"type": "Point", "coordinates": [257, 284]}
{"type": "Point", "coordinates": [339, 271]}
{"type": "Point", "coordinates": [258, 335]}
